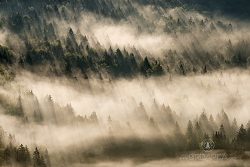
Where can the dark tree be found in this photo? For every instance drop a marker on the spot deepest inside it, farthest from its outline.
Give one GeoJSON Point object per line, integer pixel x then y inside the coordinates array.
{"type": "Point", "coordinates": [192, 143]}
{"type": "Point", "coordinates": [38, 160]}
{"type": "Point", "coordinates": [146, 68]}
{"type": "Point", "coordinates": [241, 138]}
{"type": "Point", "coordinates": [23, 155]}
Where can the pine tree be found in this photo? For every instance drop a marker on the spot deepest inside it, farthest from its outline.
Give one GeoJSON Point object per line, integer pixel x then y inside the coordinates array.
{"type": "Point", "coordinates": [71, 44]}
{"type": "Point", "coordinates": [141, 113]}
{"type": "Point", "coordinates": [198, 132]}
{"type": "Point", "coordinates": [204, 70]}
{"type": "Point", "coordinates": [7, 155]}
{"type": "Point", "coordinates": [157, 68]}
{"type": "Point", "coordinates": [182, 69]}
{"type": "Point", "coordinates": [146, 68]}
{"type": "Point", "coordinates": [20, 111]}
{"type": "Point", "coordinates": [248, 135]}
{"type": "Point", "coordinates": [27, 153]}
{"type": "Point", "coordinates": [220, 138]}
{"type": "Point", "coordinates": [23, 156]}
{"type": "Point", "coordinates": [51, 109]}
{"type": "Point", "coordinates": [212, 123]}
{"type": "Point", "coordinates": [234, 128]}
{"type": "Point", "coordinates": [93, 117]}
{"type": "Point", "coordinates": [192, 143]}
{"type": "Point", "coordinates": [241, 139]}
{"type": "Point", "coordinates": [204, 123]}
{"type": "Point", "coordinates": [223, 119]}
{"type": "Point", "coordinates": [178, 137]}
{"type": "Point", "coordinates": [222, 131]}
{"type": "Point", "coordinates": [38, 160]}
{"type": "Point", "coordinates": [1, 137]}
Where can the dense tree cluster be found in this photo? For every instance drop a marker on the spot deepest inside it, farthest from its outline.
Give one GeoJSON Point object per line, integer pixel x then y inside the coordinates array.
{"type": "Point", "coordinates": [12, 154]}
{"type": "Point", "coordinates": [74, 55]}
{"type": "Point", "coordinates": [29, 109]}
{"type": "Point", "coordinates": [168, 137]}
{"type": "Point", "coordinates": [110, 8]}
{"type": "Point", "coordinates": [36, 44]}
{"type": "Point", "coordinates": [235, 8]}
{"type": "Point", "coordinates": [225, 133]}
{"type": "Point", "coordinates": [164, 132]}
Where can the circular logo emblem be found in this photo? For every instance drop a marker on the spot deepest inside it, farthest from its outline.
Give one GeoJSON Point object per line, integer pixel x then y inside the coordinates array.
{"type": "Point", "coordinates": [207, 145]}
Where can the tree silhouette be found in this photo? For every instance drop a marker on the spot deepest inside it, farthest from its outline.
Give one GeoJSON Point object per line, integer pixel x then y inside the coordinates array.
{"type": "Point", "coordinates": [38, 160]}
{"type": "Point", "coordinates": [192, 143]}
{"type": "Point", "coordinates": [241, 138]}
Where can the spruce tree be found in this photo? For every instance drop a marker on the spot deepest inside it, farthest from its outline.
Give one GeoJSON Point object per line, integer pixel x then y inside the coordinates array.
{"type": "Point", "coordinates": [241, 139]}
{"type": "Point", "coordinates": [38, 160]}
{"type": "Point", "coordinates": [192, 143]}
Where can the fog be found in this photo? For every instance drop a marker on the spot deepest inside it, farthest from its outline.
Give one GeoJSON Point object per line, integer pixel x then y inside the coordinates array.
{"type": "Point", "coordinates": [138, 120]}
{"type": "Point", "coordinates": [149, 31]}
{"type": "Point", "coordinates": [187, 97]}
{"type": "Point", "coordinates": [176, 91]}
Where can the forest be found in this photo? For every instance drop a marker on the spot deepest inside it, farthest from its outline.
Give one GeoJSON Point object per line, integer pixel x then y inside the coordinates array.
{"type": "Point", "coordinates": [226, 133]}
{"type": "Point", "coordinates": [46, 49]}
{"type": "Point", "coordinates": [124, 82]}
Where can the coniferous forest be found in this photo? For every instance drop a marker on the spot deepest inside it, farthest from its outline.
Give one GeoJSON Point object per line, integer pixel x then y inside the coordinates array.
{"type": "Point", "coordinates": [124, 83]}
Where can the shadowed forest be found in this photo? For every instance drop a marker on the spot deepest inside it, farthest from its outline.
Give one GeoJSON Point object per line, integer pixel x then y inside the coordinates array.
{"type": "Point", "coordinates": [124, 83]}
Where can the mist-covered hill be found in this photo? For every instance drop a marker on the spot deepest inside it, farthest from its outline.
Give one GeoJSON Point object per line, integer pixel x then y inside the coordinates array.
{"type": "Point", "coordinates": [235, 8]}
{"type": "Point", "coordinates": [118, 38]}
{"type": "Point", "coordinates": [139, 82]}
